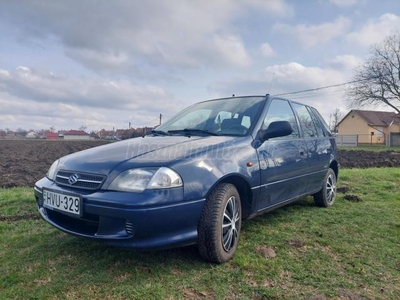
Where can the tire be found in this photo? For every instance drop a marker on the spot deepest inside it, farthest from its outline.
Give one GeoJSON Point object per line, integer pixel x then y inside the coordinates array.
{"type": "Point", "coordinates": [220, 223]}
{"type": "Point", "coordinates": [326, 196]}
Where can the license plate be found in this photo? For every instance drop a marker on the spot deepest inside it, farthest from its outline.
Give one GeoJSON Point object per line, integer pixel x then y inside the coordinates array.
{"type": "Point", "coordinates": [62, 202]}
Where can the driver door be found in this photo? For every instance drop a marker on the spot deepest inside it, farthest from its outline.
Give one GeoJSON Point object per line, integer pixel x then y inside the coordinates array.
{"type": "Point", "coordinates": [283, 160]}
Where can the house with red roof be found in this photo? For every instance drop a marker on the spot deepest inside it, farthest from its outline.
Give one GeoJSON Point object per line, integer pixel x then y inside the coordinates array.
{"type": "Point", "coordinates": [51, 135]}
{"type": "Point", "coordinates": [76, 135]}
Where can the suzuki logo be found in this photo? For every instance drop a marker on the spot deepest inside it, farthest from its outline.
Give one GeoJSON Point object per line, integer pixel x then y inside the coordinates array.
{"type": "Point", "coordinates": [73, 179]}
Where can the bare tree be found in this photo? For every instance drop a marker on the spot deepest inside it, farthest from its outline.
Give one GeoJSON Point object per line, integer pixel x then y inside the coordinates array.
{"type": "Point", "coordinates": [377, 81]}
{"type": "Point", "coordinates": [41, 132]}
{"type": "Point", "coordinates": [334, 119]}
{"type": "Point", "coordinates": [83, 128]}
{"type": "Point", "coordinates": [21, 131]}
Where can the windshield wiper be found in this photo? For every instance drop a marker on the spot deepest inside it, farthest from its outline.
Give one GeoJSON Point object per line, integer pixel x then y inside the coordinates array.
{"type": "Point", "coordinates": [192, 131]}
{"type": "Point", "coordinates": [158, 132]}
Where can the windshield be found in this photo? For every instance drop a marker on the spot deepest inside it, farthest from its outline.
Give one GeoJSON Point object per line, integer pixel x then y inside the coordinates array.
{"type": "Point", "coordinates": [230, 116]}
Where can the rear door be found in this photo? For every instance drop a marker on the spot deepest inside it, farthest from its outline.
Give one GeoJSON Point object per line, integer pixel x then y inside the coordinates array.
{"type": "Point", "coordinates": [319, 148]}
{"type": "Point", "coordinates": [283, 161]}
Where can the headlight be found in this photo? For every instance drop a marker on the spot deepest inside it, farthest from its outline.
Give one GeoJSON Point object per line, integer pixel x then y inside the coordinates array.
{"type": "Point", "coordinates": [137, 180]}
{"type": "Point", "coordinates": [51, 173]}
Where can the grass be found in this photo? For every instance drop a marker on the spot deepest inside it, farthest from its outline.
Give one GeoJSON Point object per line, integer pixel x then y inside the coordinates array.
{"type": "Point", "coordinates": [348, 251]}
{"type": "Point", "coordinates": [373, 148]}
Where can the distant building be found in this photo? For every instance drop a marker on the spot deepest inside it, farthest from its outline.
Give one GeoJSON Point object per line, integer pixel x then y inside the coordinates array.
{"type": "Point", "coordinates": [371, 127]}
{"type": "Point", "coordinates": [106, 134]}
{"type": "Point", "coordinates": [31, 135]}
{"type": "Point", "coordinates": [143, 131]}
{"type": "Point", "coordinates": [76, 135]}
{"type": "Point", "coordinates": [21, 133]}
{"type": "Point", "coordinates": [51, 135]}
{"type": "Point", "coordinates": [61, 134]}
{"type": "Point", "coordinates": [2, 134]}
{"type": "Point", "coordinates": [123, 134]}
{"type": "Point", "coordinates": [94, 136]}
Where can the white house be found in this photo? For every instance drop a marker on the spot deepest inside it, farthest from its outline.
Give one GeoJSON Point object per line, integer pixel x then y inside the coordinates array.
{"type": "Point", "coordinates": [31, 135]}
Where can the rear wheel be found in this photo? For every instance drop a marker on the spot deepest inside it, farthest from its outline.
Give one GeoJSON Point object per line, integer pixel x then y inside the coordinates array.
{"type": "Point", "coordinates": [220, 222]}
{"type": "Point", "coordinates": [326, 196]}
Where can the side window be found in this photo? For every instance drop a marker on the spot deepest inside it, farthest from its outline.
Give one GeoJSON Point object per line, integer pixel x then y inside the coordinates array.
{"type": "Point", "coordinates": [322, 121]}
{"type": "Point", "coordinates": [280, 110]}
{"type": "Point", "coordinates": [317, 123]}
{"type": "Point", "coordinates": [306, 122]}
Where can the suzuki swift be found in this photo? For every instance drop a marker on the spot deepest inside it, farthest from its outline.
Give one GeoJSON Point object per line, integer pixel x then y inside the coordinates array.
{"type": "Point", "coordinates": [195, 178]}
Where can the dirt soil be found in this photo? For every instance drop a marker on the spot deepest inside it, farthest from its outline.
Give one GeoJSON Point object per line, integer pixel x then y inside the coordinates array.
{"type": "Point", "coordinates": [23, 162]}
{"type": "Point", "coordinates": [367, 159]}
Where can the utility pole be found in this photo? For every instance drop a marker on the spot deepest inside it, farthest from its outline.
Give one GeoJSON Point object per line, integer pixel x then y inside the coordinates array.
{"type": "Point", "coordinates": [129, 132]}
{"type": "Point", "coordinates": [160, 118]}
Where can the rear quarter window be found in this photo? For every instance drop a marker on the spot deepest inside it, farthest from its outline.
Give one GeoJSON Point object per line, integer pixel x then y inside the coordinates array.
{"type": "Point", "coordinates": [322, 121]}
{"type": "Point", "coordinates": [306, 122]}
{"type": "Point", "coordinates": [317, 122]}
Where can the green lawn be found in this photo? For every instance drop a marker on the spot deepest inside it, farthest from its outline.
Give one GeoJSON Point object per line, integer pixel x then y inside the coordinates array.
{"type": "Point", "coordinates": [373, 148]}
{"type": "Point", "coordinates": [349, 251]}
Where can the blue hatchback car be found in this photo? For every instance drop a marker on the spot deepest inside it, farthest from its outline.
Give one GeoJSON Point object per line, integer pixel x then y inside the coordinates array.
{"type": "Point", "coordinates": [195, 178]}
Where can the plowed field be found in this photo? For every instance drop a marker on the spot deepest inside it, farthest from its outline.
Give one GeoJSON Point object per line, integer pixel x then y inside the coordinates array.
{"type": "Point", "coordinates": [23, 162]}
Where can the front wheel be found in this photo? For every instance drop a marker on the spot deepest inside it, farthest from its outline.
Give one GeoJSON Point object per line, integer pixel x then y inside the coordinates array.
{"type": "Point", "coordinates": [219, 225]}
{"type": "Point", "coordinates": [326, 196]}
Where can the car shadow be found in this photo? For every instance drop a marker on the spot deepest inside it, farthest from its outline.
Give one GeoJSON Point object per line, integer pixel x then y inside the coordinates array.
{"type": "Point", "coordinates": [96, 256]}
{"type": "Point", "coordinates": [305, 204]}
{"type": "Point", "coordinates": [88, 251]}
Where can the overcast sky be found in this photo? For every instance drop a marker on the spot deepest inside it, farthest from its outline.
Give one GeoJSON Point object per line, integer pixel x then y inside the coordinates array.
{"type": "Point", "coordinates": [103, 64]}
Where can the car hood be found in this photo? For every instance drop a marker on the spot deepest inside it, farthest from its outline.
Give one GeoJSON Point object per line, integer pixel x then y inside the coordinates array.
{"type": "Point", "coordinates": [147, 151]}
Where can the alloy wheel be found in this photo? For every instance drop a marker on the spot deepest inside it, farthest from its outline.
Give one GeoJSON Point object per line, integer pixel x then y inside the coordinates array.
{"type": "Point", "coordinates": [230, 224]}
{"type": "Point", "coordinates": [330, 188]}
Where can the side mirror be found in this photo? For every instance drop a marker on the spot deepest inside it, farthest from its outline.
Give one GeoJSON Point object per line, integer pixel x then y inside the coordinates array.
{"type": "Point", "coordinates": [276, 129]}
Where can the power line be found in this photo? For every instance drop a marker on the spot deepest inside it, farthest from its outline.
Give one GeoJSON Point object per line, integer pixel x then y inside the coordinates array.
{"type": "Point", "coordinates": [332, 91]}
{"type": "Point", "coordinates": [335, 85]}
{"type": "Point", "coordinates": [320, 88]}
{"type": "Point", "coordinates": [317, 95]}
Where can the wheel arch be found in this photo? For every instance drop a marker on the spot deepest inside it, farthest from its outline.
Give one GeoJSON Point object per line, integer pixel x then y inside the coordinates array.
{"type": "Point", "coordinates": [244, 190]}
{"type": "Point", "coordinates": [335, 167]}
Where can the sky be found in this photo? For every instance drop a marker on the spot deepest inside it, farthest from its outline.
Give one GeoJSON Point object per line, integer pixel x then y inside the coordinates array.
{"type": "Point", "coordinates": [105, 64]}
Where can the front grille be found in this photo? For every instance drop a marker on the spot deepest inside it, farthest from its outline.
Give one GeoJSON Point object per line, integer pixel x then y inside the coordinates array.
{"type": "Point", "coordinates": [88, 224]}
{"type": "Point", "coordinates": [81, 180]}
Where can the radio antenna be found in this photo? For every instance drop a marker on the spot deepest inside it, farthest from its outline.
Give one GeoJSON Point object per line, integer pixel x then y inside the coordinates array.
{"type": "Point", "coordinates": [270, 83]}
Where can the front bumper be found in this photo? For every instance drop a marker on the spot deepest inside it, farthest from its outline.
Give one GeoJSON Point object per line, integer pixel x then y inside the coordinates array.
{"type": "Point", "coordinates": [151, 219]}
